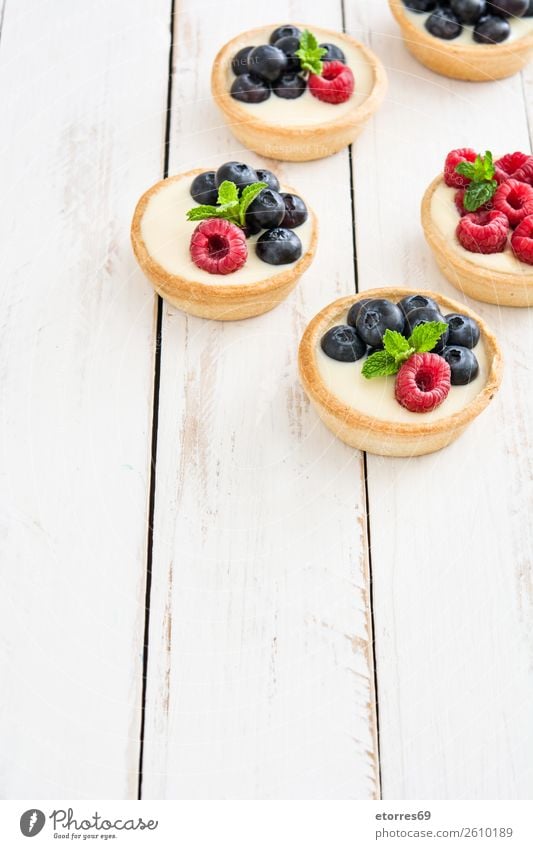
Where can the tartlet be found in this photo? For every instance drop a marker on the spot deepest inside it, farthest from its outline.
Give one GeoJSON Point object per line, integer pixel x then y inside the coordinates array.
{"type": "Point", "coordinates": [284, 135]}
{"type": "Point", "coordinates": [245, 293]}
{"type": "Point", "coordinates": [378, 435]}
{"type": "Point", "coordinates": [459, 60]}
{"type": "Point", "coordinates": [497, 277]}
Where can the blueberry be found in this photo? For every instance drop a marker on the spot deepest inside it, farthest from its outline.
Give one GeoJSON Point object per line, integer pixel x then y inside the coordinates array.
{"type": "Point", "coordinates": [413, 302]}
{"type": "Point", "coordinates": [371, 351]}
{"type": "Point", "coordinates": [464, 366]}
{"type": "Point", "coordinates": [239, 63]}
{"type": "Point", "coordinates": [421, 315]}
{"type": "Point", "coordinates": [508, 8]}
{"type": "Point", "coordinates": [203, 188]}
{"type": "Point", "coordinates": [284, 32]}
{"type": "Point", "coordinates": [237, 172]}
{"type": "Point", "coordinates": [421, 5]}
{"type": "Point", "coordinates": [289, 86]}
{"type": "Point", "coordinates": [267, 62]}
{"type": "Point", "coordinates": [334, 53]}
{"type": "Point", "coordinates": [290, 44]}
{"type": "Point", "coordinates": [267, 177]}
{"type": "Point", "coordinates": [491, 30]}
{"type": "Point", "coordinates": [265, 211]}
{"type": "Point", "coordinates": [278, 246]}
{"type": "Point", "coordinates": [442, 23]}
{"type": "Point", "coordinates": [375, 318]}
{"type": "Point", "coordinates": [295, 210]}
{"type": "Point", "coordinates": [249, 89]}
{"type": "Point", "coordinates": [462, 330]}
{"type": "Point", "coordinates": [342, 343]}
{"type": "Point", "coordinates": [468, 11]}
{"type": "Point", "coordinates": [529, 11]}
{"type": "Point", "coordinates": [354, 310]}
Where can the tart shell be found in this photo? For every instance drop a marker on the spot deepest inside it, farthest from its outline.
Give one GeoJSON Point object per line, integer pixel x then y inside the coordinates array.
{"type": "Point", "coordinates": [219, 301]}
{"type": "Point", "coordinates": [483, 284]}
{"type": "Point", "coordinates": [377, 436]}
{"type": "Point", "coordinates": [295, 143]}
{"type": "Point", "coordinates": [478, 63]}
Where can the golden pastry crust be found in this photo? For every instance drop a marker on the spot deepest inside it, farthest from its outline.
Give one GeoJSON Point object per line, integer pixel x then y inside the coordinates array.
{"type": "Point", "coordinates": [467, 275]}
{"type": "Point", "coordinates": [478, 63]}
{"type": "Point", "coordinates": [391, 439]}
{"type": "Point", "coordinates": [295, 143]}
{"type": "Point", "coordinates": [220, 301]}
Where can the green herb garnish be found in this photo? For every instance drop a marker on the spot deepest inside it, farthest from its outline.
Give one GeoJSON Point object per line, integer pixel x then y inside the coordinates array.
{"type": "Point", "coordinates": [397, 349]}
{"type": "Point", "coordinates": [309, 53]}
{"type": "Point", "coordinates": [483, 185]}
{"type": "Point", "coordinates": [229, 205]}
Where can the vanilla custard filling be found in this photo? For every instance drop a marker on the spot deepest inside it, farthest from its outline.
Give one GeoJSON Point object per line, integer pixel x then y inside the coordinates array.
{"type": "Point", "coordinates": [375, 397]}
{"type": "Point", "coordinates": [519, 28]}
{"type": "Point", "coordinates": [167, 235]}
{"type": "Point", "coordinates": [307, 110]}
{"type": "Point", "coordinates": [445, 217]}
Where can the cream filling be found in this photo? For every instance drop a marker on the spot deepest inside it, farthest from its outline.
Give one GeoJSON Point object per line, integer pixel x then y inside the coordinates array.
{"type": "Point", "coordinates": [445, 217]}
{"type": "Point", "coordinates": [376, 397]}
{"type": "Point", "coordinates": [307, 110]}
{"type": "Point", "coordinates": [519, 28]}
{"type": "Point", "coordinates": [167, 236]}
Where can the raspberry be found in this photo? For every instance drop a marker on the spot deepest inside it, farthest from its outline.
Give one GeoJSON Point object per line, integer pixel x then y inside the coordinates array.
{"type": "Point", "coordinates": [483, 232]}
{"type": "Point", "coordinates": [508, 166]}
{"type": "Point", "coordinates": [515, 200]}
{"type": "Point", "coordinates": [522, 240]}
{"type": "Point", "coordinates": [218, 246]}
{"type": "Point", "coordinates": [459, 198]}
{"type": "Point", "coordinates": [525, 172]}
{"type": "Point", "coordinates": [423, 382]}
{"type": "Point", "coordinates": [334, 85]}
{"type": "Point", "coordinates": [451, 177]}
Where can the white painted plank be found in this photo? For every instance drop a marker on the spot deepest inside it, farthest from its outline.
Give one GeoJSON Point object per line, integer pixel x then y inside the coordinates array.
{"type": "Point", "coordinates": [260, 682]}
{"type": "Point", "coordinates": [83, 88]}
{"type": "Point", "coordinates": [451, 533]}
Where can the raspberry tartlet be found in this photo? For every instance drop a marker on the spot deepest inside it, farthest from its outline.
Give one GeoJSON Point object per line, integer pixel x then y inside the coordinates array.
{"type": "Point", "coordinates": [478, 220]}
{"type": "Point", "coordinates": [398, 372]}
{"type": "Point", "coordinates": [292, 93]}
{"type": "Point", "coordinates": [226, 244]}
{"type": "Point", "coordinates": [476, 40]}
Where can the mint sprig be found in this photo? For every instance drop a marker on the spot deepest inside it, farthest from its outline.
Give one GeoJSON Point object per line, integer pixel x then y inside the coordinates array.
{"type": "Point", "coordinates": [397, 349]}
{"type": "Point", "coordinates": [309, 53]}
{"type": "Point", "coordinates": [482, 183]}
{"type": "Point", "coordinates": [229, 206]}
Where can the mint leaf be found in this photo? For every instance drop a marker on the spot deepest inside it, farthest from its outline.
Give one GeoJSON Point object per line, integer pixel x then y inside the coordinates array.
{"type": "Point", "coordinates": [482, 183]}
{"type": "Point", "coordinates": [198, 213]}
{"type": "Point", "coordinates": [309, 53]}
{"type": "Point", "coordinates": [488, 165]}
{"type": "Point", "coordinates": [425, 336]}
{"type": "Point", "coordinates": [227, 193]}
{"type": "Point", "coordinates": [397, 345]}
{"type": "Point", "coordinates": [249, 193]}
{"type": "Point", "coordinates": [379, 364]}
{"type": "Point", "coordinates": [466, 169]}
{"type": "Point", "coordinates": [230, 206]}
{"type": "Point", "coordinates": [478, 194]}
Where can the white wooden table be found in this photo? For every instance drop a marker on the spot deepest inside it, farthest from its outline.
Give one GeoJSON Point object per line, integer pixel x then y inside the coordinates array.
{"type": "Point", "coordinates": [203, 594]}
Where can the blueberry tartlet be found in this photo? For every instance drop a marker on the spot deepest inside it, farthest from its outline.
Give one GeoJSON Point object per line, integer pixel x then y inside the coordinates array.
{"type": "Point", "coordinates": [292, 93]}
{"type": "Point", "coordinates": [398, 372]}
{"type": "Point", "coordinates": [478, 220]}
{"type": "Point", "coordinates": [225, 244]}
{"type": "Point", "coordinates": [475, 40]}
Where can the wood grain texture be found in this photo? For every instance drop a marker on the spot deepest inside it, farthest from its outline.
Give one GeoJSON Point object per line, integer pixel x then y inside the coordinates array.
{"type": "Point", "coordinates": [260, 682]}
{"type": "Point", "coordinates": [451, 533]}
{"type": "Point", "coordinates": [82, 131]}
